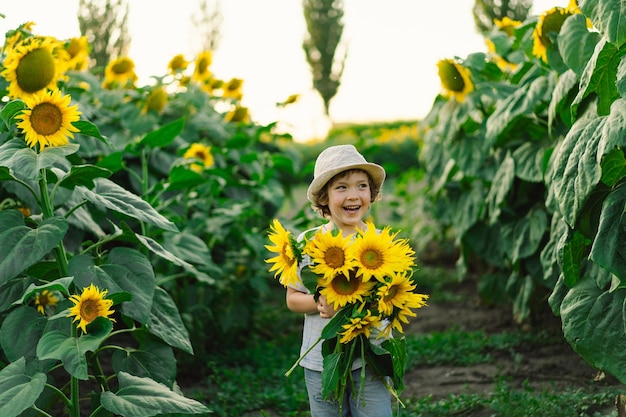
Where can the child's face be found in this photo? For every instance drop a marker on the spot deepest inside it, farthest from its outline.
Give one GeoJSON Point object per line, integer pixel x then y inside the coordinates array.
{"type": "Point", "coordinates": [349, 199]}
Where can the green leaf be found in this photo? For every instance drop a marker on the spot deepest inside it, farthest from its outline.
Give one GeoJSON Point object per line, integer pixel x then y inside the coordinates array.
{"type": "Point", "coordinates": [593, 323]}
{"type": "Point", "coordinates": [143, 397]}
{"type": "Point", "coordinates": [165, 322]}
{"type": "Point", "coordinates": [397, 348]}
{"type": "Point", "coordinates": [20, 332]}
{"type": "Point", "coordinates": [133, 272]}
{"type": "Point", "coordinates": [500, 187]}
{"type": "Point", "coordinates": [61, 285]}
{"type": "Point", "coordinates": [608, 17]}
{"type": "Point", "coordinates": [576, 170]}
{"type": "Point", "coordinates": [18, 390]}
{"type": "Point", "coordinates": [613, 167]}
{"type": "Point", "coordinates": [108, 194]}
{"type": "Point", "coordinates": [609, 247]}
{"type": "Point", "coordinates": [523, 102]}
{"type": "Point", "coordinates": [164, 135]}
{"type": "Point", "coordinates": [562, 97]}
{"type": "Point", "coordinates": [334, 326]}
{"type": "Point", "coordinates": [571, 253]}
{"type": "Point", "coordinates": [529, 161]}
{"type": "Point", "coordinates": [89, 129]}
{"type": "Point", "coordinates": [21, 246]}
{"type": "Point", "coordinates": [153, 359]}
{"type": "Point", "coordinates": [71, 351]}
{"type": "Point", "coordinates": [84, 175]}
{"type": "Point", "coordinates": [600, 75]}
{"type": "Point", "coordinates": [332, 373]}
{"type": "Point", "coordinates": [576, 43]}
{"type": "Point", "coordinates": [525, 234]}
{"type": "Point", "coordinates": [183, 178]}
{"type": "Point", "coordinates": [10, 110]}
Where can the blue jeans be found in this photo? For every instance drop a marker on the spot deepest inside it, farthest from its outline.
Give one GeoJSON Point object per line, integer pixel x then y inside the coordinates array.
{"type": "Point", "coordinates": [373, 401]}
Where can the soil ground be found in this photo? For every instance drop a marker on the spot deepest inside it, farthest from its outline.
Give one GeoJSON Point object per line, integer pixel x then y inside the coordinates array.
{"type": "Point", "coordinates": [553, 366]}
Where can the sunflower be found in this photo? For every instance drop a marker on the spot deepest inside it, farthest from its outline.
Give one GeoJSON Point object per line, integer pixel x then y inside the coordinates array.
{"type": "Point", "coordinates": [201, 67]}
{"type": "Point", "coordinates": [89, 305]}
{"type": "Point", "coordinates": [345, 289]}
{"type": "Point", "coordinates": [178, 64]}
{"type": "Point", "coordinates": [380, 254]}
{"type": "Point", "coordinates": [501, 62]}
{"type": "Point", "coordinates": [156, 100]}
{"type": "Point", "coordinates": [238, 114]}
{"type": "Point", "coordinates": [32, 66]}
{"type": "Point", "coordinates": [13, 37]}
{"type": "Point", "coordinates": [45, 299]}
{"type": "Point", "coordinates": [548, 25]}
{"type": "Point", "coordinates": [78, 53]}
{"type": "Point", "coordinates": [233, 89]}
{"type": "Point", "coordinates": [359, 325]}
{"type": "Point", "coordinates": [285, 262]}
{"type": "Point", "coordinates": [455, 79]}
{"type": "Point", "coordinates": [120, 73]}
{"type": "Point", "coordinates": [394, 292]}
{"type": "Point", "coordinates": [200, 152]}
{"type": "Point", "coordinates": [328, 252]}
{"type": "Point", "coordinates": [507, 25]}
{"type": "Point", "coordinates": [49, 120]}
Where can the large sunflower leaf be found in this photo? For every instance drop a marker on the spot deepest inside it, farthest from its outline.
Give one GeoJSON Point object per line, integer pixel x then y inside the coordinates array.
{"type": "Point", "coordinates": [614, 130]}
{"type": "Point", "coordinates": [500, 187]}
{"type": "Point", "coordinates": [165, 322]}
{"type": "Point", "coordinates": [529, 161]}
{"type": "Point", "coordinates": [608, 17]}
{"type": "Point", "coordinates": [143, 397]}
{"type": "Point", "coordinates": [609, 246]}
{"type": "Point", "coordinates": [600, 76]}
{"type": "Point", "coordinates": [525, 234]}
{"type": "Point", "coordinates": [84, 175]}
{"type": "Point", "coordinates": [593, 323]}
{"type": "Point", "coordinates": [18, 390]}
{"type": "Point", "coordinates": [570, 252]}
{"type": "Point", "coordinates": [577, 170]}
{"type": "Point", "coordinates": [576, 43]}
{"type": "Point", "coordinates": [133, 272]}
{"type": "Point", "coordinates": [22, 246]}
{"type": "Point", "coordinates": [153, 359]}
{"type": "Point", "coordinates": [164, 135]}
{"type": "Point", "coordinates": [613, 167]}
{"type": "Point", "coordinates": [71, 351]}
{"type": "Point", "coordinates": [562, 98]}
{"type": "Point", "coordinates": [20, 332]}
{"type": "Point", "coordinates": [521, 103]}
{"type": "Point", "coordinates": [108, 194]}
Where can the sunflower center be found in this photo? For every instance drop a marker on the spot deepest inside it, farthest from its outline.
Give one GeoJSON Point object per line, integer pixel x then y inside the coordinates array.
{"type": "Point", "coordinates": [391, 293]}
{"type": "Point", "coordinates": [371, 259]}
{"type": "Point", "coordinates": [334, 257]}
{"type": "Point", "coordinates": [36, 70]}
{"type": "Point", "coordinates": [343, 286]}
{"type": "Point", "coordinates": [451, 77]}
{"type": "Point", "coordinates": [89, 310]}
{"type": "Point", "coordinates": [287, 255]}
{"type": "Point", "coordinates": [46, 119]}
{"type": "Point", "coordinates": [122, 66]}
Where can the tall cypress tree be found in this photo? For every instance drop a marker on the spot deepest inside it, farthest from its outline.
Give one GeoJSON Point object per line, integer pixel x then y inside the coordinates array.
{"type": "Point", "coordinates": [485, 11]}
{"type": "Point", "coordinates": [105, 24]}
{"type": "Point", "coordinates": [325, 27]}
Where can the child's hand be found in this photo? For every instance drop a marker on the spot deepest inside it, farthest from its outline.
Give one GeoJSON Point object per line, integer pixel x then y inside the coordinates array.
{"type": "Point", "coordinates": [326, 310]}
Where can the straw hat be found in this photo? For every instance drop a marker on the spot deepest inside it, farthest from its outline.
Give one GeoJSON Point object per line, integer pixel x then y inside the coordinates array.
{"type": "Point", "coordinates": [336, 159]}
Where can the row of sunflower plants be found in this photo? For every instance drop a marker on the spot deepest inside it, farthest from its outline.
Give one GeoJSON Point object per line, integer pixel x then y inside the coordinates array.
{"type": "Point", "coordinates": [130, 227]}
{"type": "Point", "coordinates": [524, 151]}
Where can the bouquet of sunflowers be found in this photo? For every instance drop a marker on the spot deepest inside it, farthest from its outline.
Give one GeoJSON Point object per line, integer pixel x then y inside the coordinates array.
{"type": "Point", "coordinates": [367, 278]}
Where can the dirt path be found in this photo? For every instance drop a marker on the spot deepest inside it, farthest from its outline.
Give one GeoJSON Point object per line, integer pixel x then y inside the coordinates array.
{"type": "Point", "coordinates": [553, 366]}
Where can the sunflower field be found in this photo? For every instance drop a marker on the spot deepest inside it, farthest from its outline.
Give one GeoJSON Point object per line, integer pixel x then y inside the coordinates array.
{"type": "Point", "coordinates": [525, 161]}
{"type": "Point", "coordinates": [132, 225]}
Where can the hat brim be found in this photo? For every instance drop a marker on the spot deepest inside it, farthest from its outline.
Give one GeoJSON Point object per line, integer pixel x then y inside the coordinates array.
{"type": "Point", "coordinates": [374, 170]}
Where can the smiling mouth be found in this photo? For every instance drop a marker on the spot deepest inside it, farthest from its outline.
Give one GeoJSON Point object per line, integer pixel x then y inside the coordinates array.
{"type": "Point", "coordinates": [352, 208]}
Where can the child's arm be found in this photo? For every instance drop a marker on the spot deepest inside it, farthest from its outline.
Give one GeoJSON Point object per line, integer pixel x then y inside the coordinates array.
{"type": "Point", "coordinates": [300, 302]}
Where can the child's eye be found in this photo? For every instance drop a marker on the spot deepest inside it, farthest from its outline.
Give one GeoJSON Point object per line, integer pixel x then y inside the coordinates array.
{"type": "Point", "coordinates": [363, 186]}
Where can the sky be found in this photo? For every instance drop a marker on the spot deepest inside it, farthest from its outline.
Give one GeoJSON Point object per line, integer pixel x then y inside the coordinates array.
{"type": "Point", "coordinates": [390, 71]}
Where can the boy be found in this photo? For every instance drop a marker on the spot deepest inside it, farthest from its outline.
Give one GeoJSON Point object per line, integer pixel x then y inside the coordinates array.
{"type": "Point", "coordinates": [343, 188]}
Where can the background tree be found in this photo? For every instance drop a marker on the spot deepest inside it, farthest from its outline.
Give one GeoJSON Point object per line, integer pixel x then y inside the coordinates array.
{"type": "Point", "coordinates": [207, 25]}
{"type": "Point", "coordinates": [105, 23]}
{"type": "Point", "coordinates": [325, 27]}
{"type": "Point", "coordinates": [485, 11]}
